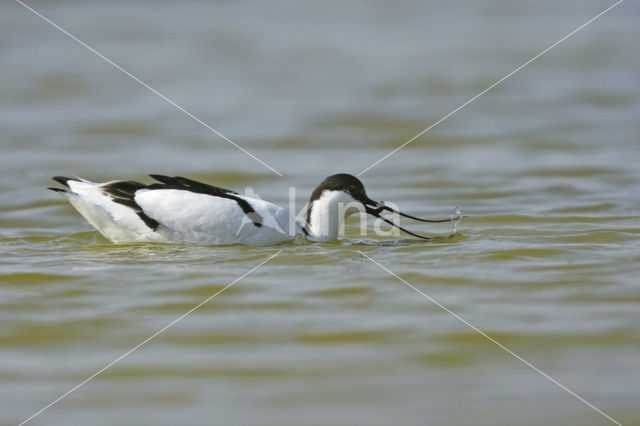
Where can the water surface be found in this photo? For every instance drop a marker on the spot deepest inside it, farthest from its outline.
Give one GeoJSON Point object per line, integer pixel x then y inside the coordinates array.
{"type": "Point", "coordinates": [546, 165]}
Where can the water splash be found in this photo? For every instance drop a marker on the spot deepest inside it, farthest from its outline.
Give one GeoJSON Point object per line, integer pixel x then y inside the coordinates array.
{"type": "Point", "coordinates": [456, 218]}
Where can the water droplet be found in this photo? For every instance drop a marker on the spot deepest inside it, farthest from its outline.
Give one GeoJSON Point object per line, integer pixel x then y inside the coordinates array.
{"type": "Point", "coordinates": [455, 218]}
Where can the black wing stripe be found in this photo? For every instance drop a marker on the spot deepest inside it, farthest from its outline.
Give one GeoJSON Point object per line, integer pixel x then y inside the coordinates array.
{"type": "Point", "coordinates": [123, 192]}
{"type": "Point", "coordinates": [179, 182]}
{"type": "Point", "coordinates": [191, 185]}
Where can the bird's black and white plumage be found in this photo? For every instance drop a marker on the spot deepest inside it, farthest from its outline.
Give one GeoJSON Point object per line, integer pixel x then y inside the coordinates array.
{"type": "Point", "coordinates": [185, 211]}
{"type": "Point", "coordinates": [176, 210]}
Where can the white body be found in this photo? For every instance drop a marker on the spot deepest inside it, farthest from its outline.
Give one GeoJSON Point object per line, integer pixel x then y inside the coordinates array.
{"type": "Point", "coordinates": [185, 217]}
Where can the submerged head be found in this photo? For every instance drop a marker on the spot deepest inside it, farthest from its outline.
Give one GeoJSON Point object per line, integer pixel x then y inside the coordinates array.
{"type": "Point", "coordinates": [339, 196]}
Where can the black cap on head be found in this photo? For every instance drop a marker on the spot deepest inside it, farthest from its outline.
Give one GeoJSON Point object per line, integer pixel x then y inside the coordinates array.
{"type": "Point", "coordinates": [342, 182]}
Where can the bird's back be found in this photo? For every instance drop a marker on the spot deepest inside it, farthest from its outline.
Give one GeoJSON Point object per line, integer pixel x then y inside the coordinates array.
{"type": "Point", "coordinates": [176, 210]}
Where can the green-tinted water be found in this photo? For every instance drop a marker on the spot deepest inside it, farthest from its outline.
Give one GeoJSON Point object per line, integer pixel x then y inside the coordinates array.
{"type": "Point", "coordinates": [546, 165]}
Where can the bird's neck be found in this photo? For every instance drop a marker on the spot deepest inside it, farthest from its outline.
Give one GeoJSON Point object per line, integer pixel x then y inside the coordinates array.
{"type": "Point", "coordinates": [325, 215]}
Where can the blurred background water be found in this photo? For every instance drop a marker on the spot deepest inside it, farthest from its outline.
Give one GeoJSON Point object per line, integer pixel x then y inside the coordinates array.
{"type": "Point", "coordinates": [546, 164]}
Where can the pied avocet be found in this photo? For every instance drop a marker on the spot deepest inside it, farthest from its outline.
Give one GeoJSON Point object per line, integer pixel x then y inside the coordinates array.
{"type": "Point", "coordinates": [184, 211]}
